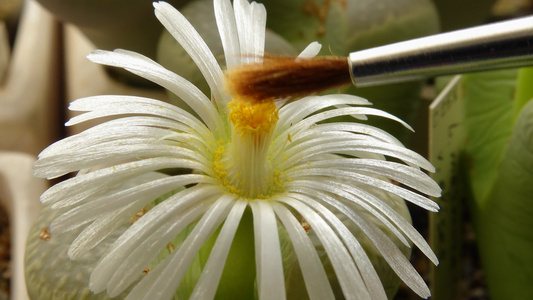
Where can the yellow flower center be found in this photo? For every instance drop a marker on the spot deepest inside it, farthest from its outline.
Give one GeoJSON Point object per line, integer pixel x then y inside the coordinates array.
{"type": "Point", "coordinates": [243, 164]}
{"type": "Point", "coordinates": [253, 118]}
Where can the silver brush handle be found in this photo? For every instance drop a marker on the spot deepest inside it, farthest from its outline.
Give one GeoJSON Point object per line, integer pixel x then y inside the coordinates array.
{"type": "Point", "coordinates": [500, 45]}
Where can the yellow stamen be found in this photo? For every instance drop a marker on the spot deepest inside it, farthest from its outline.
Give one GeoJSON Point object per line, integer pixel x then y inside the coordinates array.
{"type": "Point", "coordinates": [257, 117]}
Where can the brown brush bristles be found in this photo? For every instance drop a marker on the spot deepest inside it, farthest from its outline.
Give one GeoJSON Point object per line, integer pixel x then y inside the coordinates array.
{"type": "Point", "coordinates": [287, 77]}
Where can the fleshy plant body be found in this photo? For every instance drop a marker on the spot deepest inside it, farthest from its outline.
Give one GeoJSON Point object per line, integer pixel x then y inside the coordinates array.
{"type": "Point", "coordinates": [274, 168]}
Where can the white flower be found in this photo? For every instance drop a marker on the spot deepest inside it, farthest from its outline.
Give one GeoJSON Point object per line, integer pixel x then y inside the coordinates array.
{"type": "Point", "coordinates": [276, 162]}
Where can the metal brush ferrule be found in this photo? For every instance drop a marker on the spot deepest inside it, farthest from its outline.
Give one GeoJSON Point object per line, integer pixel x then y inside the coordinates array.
{"type": "Point", "coordinates": [500, 45]}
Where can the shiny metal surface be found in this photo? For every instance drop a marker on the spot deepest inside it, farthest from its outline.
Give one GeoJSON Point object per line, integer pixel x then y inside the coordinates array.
{"type": "Point", "coordinates": [500, 45]}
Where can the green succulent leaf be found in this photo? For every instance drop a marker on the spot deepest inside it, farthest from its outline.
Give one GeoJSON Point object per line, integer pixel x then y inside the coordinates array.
{"type": "Point", "coordinates": [499, 122]}
{"type": "Point", "coordinates": [504, 225]}
{"type": "Point", "coordinates": [524, 90]}
{"type": "Point", "coordinates": [488, 118]}
{"type": "Point", "coordinates": [305, 21]}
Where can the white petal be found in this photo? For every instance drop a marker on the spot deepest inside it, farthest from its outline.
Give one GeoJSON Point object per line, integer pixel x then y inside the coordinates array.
{"type": "Point", "coordinates": [110, 105]}
{"type": "Point", "coordinates": [142, 193]}
{"type": "Point", "coordinates": [141, 121]}
{"type": "Point", "coordinates": [227, 29]}
{"type": "Point", "coordinates": [242, 13]}
{"type": "Point", "coordinates": [343, 144]}
{"type": "Point", "coordinates": [102, 227]}
{"type": "Point", "coordinates": [345, 111]}
{"type": "Point", "coordinates": [401, 173]}
{"type": "Point", "coordinates": [401, 223]}
{"type": "Point", "coordinates": [390, 252]}
{"type": "Point", "coordinates": [164, 279]}
{"type": "Point", "coordinates": [194, 45]}
{"type": "Point", "coordinates": [207, 283]}
{"type": "Point", "coordinates": [364, 198]}
{"type": "Point", "coordinates": [74, 190]}
{"type": "Point", "coordinates": [312, 188]}
{"type": "Point", "coordinates": [98, 132]}
{"type": "Point", "coordinates": [353, 179]}
{"type": "Point", "coordinates": [311, 50]}
{"type": "Point", "coordinates": [250, 21]}
{"type": "Point", "coordinates": [368, 273]}
{"type": "Point", "coordinates": [97, 135]}
{"type": "Point", "coordinates": [152, 71]}
{"type": "Point", "coordinates": [145, 227]}
{"type": "Point", "coordinates": [112, 153]}
{"type": "Point", "coordinates": [295, 111]}
{"type": "Point", "coordinates": [148, 128]}
{"type": "Point", "coordinates": [257, 19]}
{"type": "Point", "coordinates": [349, 127]}
{"type": "Point", "coordinates": [315, 278]}
{"type": "Point", "coordinates": [147, 250]}
{"type": "Point", "coordinates": [270, 280]}
{"type": "Point", "coordinates": [282, 143]}
{"type": "Point", "coordinates": [347, 274]}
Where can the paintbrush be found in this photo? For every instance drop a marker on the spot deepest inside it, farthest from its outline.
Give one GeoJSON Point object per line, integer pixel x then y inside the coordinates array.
{"type": "Point", "coordinates": [499, 45]}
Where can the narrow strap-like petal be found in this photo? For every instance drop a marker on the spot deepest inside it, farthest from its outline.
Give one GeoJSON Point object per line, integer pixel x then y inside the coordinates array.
{"type": "Point", "coordinates": [194, 45]}
{"type": "Point", "coordinates": [296, 111]}
{"type": "Point", "coordinates": [361, 259]}
{"type": "Point", "coordinates": [163, 281]}
{"type": "Point", "coordinates": [401, 173]}
{"type": "Point", "coordinates": [113, 105]}
{"type": "Point", "coordinates": [208, 283]}
{"type": "Point", "coordinates": [151, 70]}
{"type": "Point", "coordinates": [390, 252]}
{"type": "Point", "coordinates": [315, 277]}
{"type": "Point", "coordinates": [227, 29]}
{"type": "Point", "coordinates": [332, 144]}
{"type": "Point", "coordinates": [311, 50]}
{"type": "Point", "coordinates": [347, 273]}
{"type": "Point", "coordinates": [135, 262]}
{"type": "Point", "coordinates": [258, 17]}
{"type": "Point", "coordinates": [144, 193]}
{"type": "Point", "coordinates": [143, 228]}
{"type": "Point", "coordinates": [270, 280]}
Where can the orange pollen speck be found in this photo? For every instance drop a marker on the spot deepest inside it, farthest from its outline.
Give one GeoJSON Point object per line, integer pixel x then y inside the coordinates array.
{"type": "Point", "coordinates": [44, 234]}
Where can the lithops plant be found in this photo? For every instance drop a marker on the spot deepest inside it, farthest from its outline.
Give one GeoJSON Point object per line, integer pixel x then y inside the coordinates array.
{"type": "Point", "coordinates": [112, 24]}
